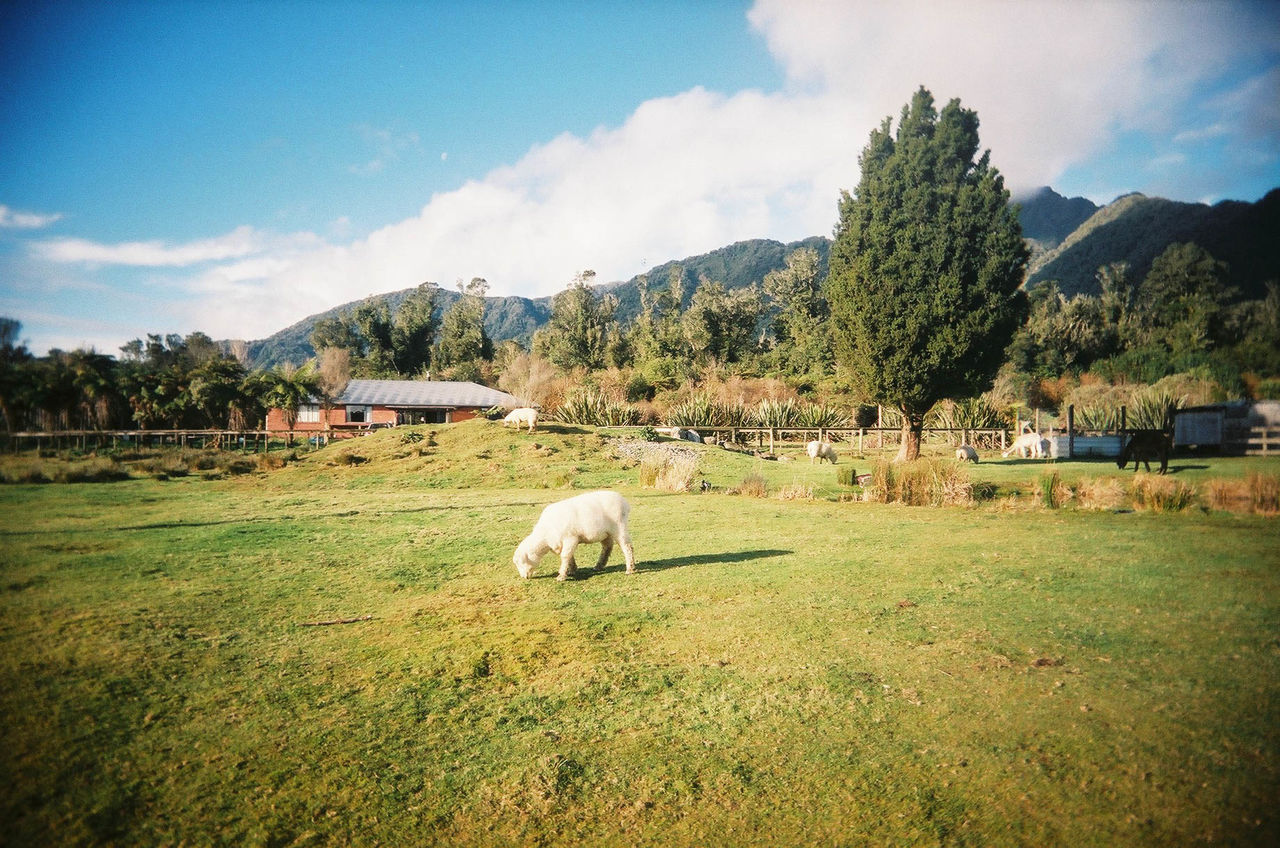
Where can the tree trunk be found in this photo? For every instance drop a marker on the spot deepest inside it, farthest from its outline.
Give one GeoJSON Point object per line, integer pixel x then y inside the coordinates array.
{"type": "Point", "coordinates": [912, 429]}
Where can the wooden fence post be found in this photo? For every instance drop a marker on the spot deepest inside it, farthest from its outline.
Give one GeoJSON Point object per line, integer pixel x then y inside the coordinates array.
{"type": "Point", "coordinates": [1071, 430]}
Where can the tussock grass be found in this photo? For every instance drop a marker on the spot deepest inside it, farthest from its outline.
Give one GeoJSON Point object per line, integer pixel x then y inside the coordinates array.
{"type": "Point", "coordinates": [1100, 493]}
{"type": "Point", "coordinates": [753, 486]}
{"type": "Point", "coordinates": [1264, 493]}
{"type": "Point", "coordinates": [795, 492]}
{"type": "Point", "coordinates": [677, 473]}
{"type": "Point", "coordinates": [1160, 494]}
{"type": "Point", "coordinates": [1257, 493]}
{"type": "Point", "coordinates": [1053, 492]}
{"type": "Point", "coordinates": [670, 472]}
{"type": "Point", "coordinates": [923, 482]}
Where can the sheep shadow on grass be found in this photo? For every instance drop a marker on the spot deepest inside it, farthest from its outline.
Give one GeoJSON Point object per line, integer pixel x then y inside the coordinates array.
{"type": "Point", "coordinates": [585, 569]}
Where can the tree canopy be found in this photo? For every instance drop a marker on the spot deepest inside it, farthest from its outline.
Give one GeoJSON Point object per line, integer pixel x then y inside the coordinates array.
{"type": "Point", "coordinates": [926, 265]}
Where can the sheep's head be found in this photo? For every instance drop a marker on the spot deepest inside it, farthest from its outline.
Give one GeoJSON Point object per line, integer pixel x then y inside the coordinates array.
{"type": "Point", "coordinates": [525, 559]}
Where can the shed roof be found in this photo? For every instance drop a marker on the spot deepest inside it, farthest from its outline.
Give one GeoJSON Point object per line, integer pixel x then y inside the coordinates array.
{"type": "Point", "coordinates": [424, 393]}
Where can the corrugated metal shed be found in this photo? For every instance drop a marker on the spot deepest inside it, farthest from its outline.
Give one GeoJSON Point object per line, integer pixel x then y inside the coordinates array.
{"type": "Point", "coordinates": [409, 394]}
{"type": "Point", "coordinates": [1201, 427]}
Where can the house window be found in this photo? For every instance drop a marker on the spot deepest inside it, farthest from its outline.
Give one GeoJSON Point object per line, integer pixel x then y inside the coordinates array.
{"type": "Point", "coordinates": [424, 416]}
{"type": "Point", "coordinates": [309, 413]}
{"type": "Point", "coordinates": [359, 414]}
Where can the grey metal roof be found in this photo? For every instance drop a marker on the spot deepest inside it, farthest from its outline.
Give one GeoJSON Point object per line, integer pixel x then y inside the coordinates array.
{"type": "Point", "coordinates": [429, 393]}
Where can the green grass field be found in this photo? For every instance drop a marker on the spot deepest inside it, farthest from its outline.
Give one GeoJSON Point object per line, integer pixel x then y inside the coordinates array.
{"type": "Point", "coordinates": [778, 672]}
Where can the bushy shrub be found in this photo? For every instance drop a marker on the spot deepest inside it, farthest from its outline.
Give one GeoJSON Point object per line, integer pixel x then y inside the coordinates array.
{"type": "Point", "coordinates": [822, 415]}
{"type": "Point", "coordinates": [639, 388]}
{"type": "Point", "coordinates": [648, 433]}
{"type": "Point", "coordinates": [865, 415]}
{"type": "Point", "coordinates": [98, 470]}
{"type": "Point", "coordinates": [970, 414]}
{"type": "Point", "coordinates": [697, 411]}
{"type": "Point", "coordinates": [777, 413]}
{"type": "Point", "coordinates": [591, 408]}
{"type": "Point", "coordinates": [846, 475]}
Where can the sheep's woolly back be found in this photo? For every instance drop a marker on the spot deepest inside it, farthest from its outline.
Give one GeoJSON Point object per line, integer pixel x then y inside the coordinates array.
{"type": "Point", "coordinates": [821, 450]}
{"type": "Point", "coordinates": [588, 517]}
{"type": "Point", "coordinates": [525, 416]}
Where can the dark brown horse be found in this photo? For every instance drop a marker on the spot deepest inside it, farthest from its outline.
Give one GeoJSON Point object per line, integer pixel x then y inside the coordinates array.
{"type": "Point", "coordinates": [1144, 446]}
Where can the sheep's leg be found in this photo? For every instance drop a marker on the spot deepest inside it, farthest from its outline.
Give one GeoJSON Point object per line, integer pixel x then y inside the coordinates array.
{"type": "Point", "coordinates": [627, 553]}
{"type": "Point", "coordinates": [606, 548]}
{"type": "Point", "coordinates": [567, 566]}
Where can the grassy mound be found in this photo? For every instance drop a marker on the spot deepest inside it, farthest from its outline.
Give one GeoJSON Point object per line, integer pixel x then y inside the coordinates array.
{"type": "Point", "coordinates": [471, 454]}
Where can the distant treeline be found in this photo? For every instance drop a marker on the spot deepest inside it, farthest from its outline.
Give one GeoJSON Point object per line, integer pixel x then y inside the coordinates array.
{"type": "Point", "coordinates": [1181, 317]}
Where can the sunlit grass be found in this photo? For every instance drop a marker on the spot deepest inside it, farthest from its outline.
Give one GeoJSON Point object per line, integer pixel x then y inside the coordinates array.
{"type": "Point", "coordinates": [781, 672]}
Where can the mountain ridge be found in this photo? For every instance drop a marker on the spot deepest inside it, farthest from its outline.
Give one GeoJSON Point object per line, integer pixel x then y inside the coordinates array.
{"type": "Point", "coordinates": [1070, 239]}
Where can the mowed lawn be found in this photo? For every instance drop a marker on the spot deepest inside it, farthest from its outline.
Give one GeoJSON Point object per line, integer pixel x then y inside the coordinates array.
{"type": "Point", "coordinates": [800, 672]}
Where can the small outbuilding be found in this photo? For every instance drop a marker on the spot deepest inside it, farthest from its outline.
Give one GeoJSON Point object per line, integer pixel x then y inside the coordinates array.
{"type": "Point", "coordinates": [365, 404]}
{"type": "Point", "coordinates": [1236, 427]}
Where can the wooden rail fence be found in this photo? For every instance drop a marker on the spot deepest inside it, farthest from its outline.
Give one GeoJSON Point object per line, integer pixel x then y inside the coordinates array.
{"type": "Point", "coordinates": [243, 440]}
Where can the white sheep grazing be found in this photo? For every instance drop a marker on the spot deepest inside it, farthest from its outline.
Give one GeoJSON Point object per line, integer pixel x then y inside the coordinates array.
{"type": "Point", "coordinates": [593, 517]}
{"type": "Point", "coordinates": [521, 417]}
{"type": "Point", "coordinates": [966, 453]}
{"type": "Point", "coordinates": [1028, 444]}
{"type": "Point", "coordinates": [821, 450]}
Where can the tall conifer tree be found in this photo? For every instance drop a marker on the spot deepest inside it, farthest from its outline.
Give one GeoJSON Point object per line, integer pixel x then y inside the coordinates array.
{"type": "Point", "coordinates": [926, 266]}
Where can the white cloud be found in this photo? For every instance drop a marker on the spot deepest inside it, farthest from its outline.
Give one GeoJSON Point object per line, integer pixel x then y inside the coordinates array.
{"type": "Point", "coordinates": [387, 145]}
{"type": "Point", "coordinates": [239, 243]}
{"type": "Point", "coordinates": [12, 219]}
{"type": "Point", "coordinates": [151, 254]}
{"type": "Point", "coordinates": [1202, 134]}
{"type": "Point", "coordinates": [1053, 82]}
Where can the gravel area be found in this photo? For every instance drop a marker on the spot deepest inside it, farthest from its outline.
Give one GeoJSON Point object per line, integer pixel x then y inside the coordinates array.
{"type": "Point", "coordinates": [636, 450]}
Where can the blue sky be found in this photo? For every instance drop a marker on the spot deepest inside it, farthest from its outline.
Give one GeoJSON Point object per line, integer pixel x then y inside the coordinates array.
{"type": "Point", "coordinates": [233, 167]}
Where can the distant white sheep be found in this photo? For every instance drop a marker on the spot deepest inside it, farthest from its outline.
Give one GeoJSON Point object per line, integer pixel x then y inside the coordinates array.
{"type": "Point", "coordinates": [820, 451]}
{"type": "Point", "coordinates": [522, 417]}
{"type": "Point", "coordinates": [966, 453]}
{"type": "Point", "coordinates": [593, 517]}
{"type": "Point", "coordinates": [1029, 444]}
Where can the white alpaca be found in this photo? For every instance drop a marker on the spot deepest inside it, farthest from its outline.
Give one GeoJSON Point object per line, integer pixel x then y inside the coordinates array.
{"type": "Point", "coordinates": [524, 416]}
{"type": "Point", "coordinates": [820, 451]}
{"type": "Point", "coordinates": [966, 453]}
{"type": "Point", "coordinates": [593, 517]}
{"type": "Point", "coordinates": [1028, 444]}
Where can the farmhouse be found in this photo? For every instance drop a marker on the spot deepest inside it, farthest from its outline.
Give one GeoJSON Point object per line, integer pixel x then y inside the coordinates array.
{"type": "Point", "coordinates": [385, 403]}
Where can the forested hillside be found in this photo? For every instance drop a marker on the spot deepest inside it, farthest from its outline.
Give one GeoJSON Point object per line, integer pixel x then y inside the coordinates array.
{"type": "Point", "coordinates": [1136, 229]}
{"type": "Point", "coordinates": [1048, 218]}
{"type": "Point", "coordinates": [737, 266]}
